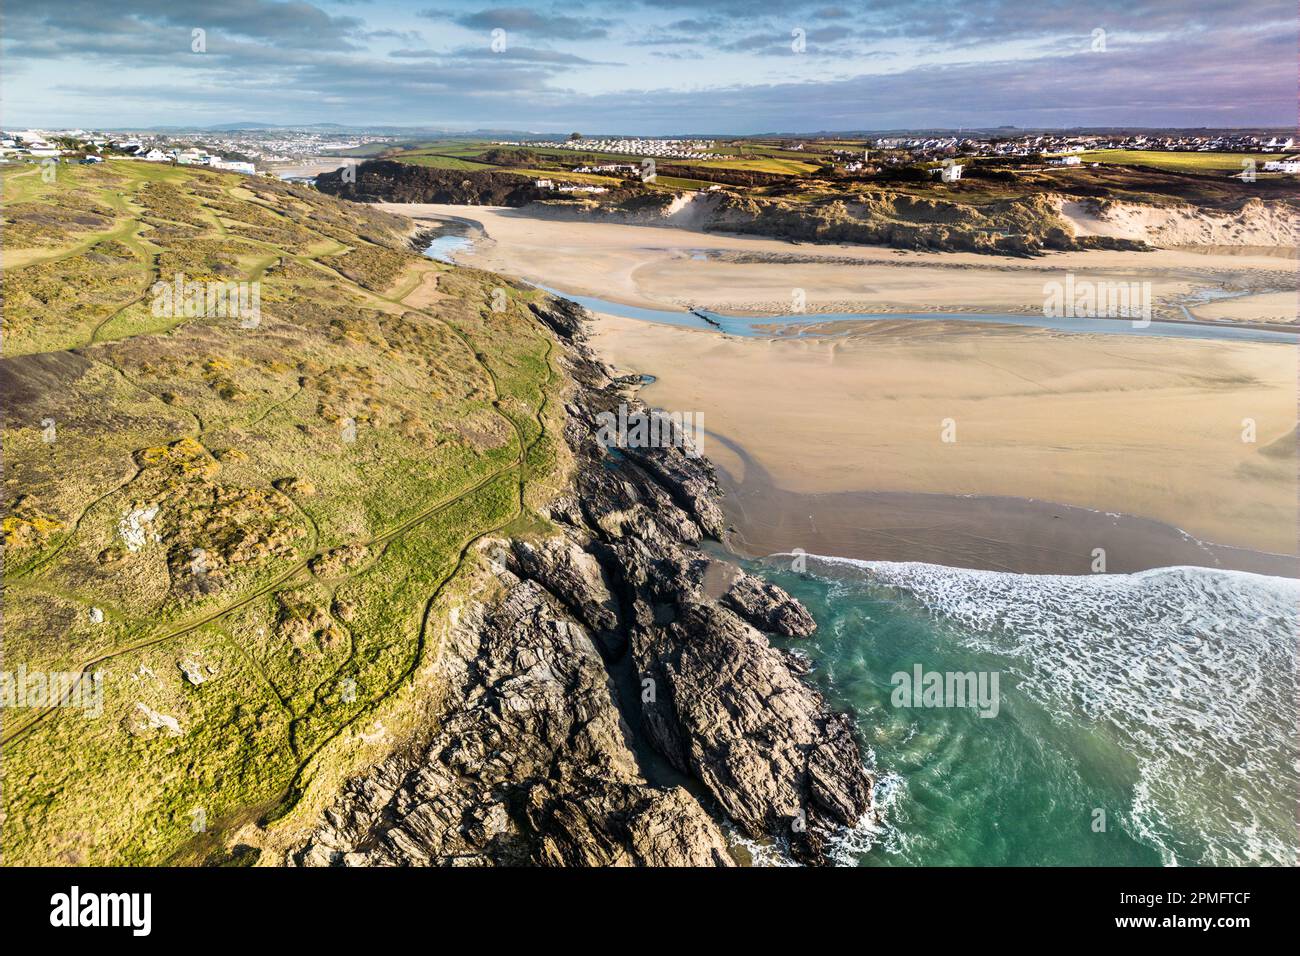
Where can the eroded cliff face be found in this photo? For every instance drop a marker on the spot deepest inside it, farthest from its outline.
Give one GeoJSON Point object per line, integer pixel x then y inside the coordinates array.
{"type": "Point", "coordinates": [605, 657]}
{"type": "Point", "coordinates": [1020, 227]}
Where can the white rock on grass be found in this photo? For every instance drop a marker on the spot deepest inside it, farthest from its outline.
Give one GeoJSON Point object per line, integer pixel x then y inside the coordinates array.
{"type": "Point", "coordinates": [157, 721]}
{"type": "Point", "coordinates": [132, 527]}
{"type": "Point", "coordinates": [192, 671]}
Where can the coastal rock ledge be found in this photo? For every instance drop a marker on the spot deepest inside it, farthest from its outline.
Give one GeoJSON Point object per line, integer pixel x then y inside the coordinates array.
{"type": "Point", "coordinates": [602, 708]}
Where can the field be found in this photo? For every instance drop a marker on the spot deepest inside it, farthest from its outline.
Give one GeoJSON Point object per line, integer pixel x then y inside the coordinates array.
{"type": "Point", "coordinates": [246, 523]}
{"type": "Point", "coordinates": [443, 162]}
{"type": "Point", "coordinates": [799, 175]}
{"type": "Point", "coordinates": [1179, 162]}
{"type": "Point", "coordinates": [554, 162]}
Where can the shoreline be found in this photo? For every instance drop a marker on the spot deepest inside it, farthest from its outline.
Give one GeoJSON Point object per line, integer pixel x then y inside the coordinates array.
{"type": "Point", "coordinates": [976, 532]}
{"type": "Point", "coordinates": [555, 651]}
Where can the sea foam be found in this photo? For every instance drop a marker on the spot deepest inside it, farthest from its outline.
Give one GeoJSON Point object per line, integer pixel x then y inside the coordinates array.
{"type": "Point", "coordinates": [1191, 671]}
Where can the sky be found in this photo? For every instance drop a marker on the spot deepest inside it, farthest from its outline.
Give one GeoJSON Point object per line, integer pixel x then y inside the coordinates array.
{"type": "Point", "coordinates": [653, 67]}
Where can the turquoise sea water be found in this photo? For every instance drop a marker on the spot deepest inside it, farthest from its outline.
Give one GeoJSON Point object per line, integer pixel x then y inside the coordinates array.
{"type": "Point", "coordinates": [1166, 700]}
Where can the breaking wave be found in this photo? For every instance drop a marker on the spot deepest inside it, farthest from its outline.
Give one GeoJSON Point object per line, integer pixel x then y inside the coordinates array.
{"type": "Point", "coordinates": [1190, 671]}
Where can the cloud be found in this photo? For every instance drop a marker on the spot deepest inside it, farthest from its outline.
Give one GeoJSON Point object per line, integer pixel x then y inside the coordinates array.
{"type": "Point", "coordinates": [968, 63]}
{"type": "Point", "coordinates": [528, 21]}
{"type": "Point", "coordinates": [511, 54]}
{"type": "Point", "coordinates": [164, 26]}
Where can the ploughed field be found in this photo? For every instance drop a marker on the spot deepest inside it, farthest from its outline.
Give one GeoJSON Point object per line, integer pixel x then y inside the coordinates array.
{"type": "Point", "coordinates": [248, 523]}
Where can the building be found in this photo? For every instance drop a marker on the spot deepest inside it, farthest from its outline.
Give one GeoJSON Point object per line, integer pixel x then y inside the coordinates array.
{"type": "Point", "coordinates": [1065, 161]}
{"type": "Point", "coordinates": [232, 166]}
{"type": "Point", "coordinates": [949, 173]}
{"type": "Point", "coordinates": [1282, 166]}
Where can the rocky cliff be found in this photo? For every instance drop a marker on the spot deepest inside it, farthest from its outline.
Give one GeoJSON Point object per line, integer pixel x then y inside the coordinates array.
{"type": "Point", "coordinates": [613, 705]}
{"type": "Point", "coordinates": [383, 180]}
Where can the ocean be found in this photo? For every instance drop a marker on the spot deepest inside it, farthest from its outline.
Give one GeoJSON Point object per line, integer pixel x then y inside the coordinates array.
{"type": "Point", "coordinates": [1142, 719]}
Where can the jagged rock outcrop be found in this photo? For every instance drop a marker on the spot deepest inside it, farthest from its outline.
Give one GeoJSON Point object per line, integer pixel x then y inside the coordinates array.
{"type": "Point", "coordinates": [768, 607]}
{"type": "Point", "coordinates": [384, 180]}
{"type": "Point", "coordinates": [530, 766]}
{"type": "Point", "coordinates": [535, 760]}
{"type": "Point", "coordinates": [564, 318]}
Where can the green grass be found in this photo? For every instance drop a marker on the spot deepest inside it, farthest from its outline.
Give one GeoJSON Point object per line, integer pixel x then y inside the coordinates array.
{"type": "Point", "coordinates": [679, 182]}
{"type": "Point", "coordinates": [442, 162]}
{"type": "Point", "coordinates": [1178, 162]}
{"type": "Point", "coordinates": [365, 416]}
{"type": "Point", "coordinates": [757, 164]}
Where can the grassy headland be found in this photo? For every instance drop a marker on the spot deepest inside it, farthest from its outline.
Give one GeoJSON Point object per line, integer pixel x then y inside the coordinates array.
{"type": "Point", "coordinates": [251, 528]}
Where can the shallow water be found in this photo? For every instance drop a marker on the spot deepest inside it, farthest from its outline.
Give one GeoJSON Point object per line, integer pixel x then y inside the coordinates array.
{"type": "Point", "coordinates": [455, 237]}
{"type": "Point", "coordinates": [815, 323]}
{"type": "Point", "coordinates": [443, 248]}
{"type": "Point", "coordinates": [1165, 700]}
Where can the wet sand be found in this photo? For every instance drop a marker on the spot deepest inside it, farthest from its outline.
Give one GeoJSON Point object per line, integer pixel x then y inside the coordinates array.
{"type": "Point", "coordinates": [1149, 427]}
{"type": "Point", "coordinates": [970, 531]}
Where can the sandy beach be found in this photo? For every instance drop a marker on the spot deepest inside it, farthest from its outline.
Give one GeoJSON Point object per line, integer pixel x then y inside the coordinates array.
{"type": "Point", "coordinates": [1148, 427]}
{"type": "Point", "coordinates": [664, 267]}
{"type": "Point", "coordinates": [973, 445]}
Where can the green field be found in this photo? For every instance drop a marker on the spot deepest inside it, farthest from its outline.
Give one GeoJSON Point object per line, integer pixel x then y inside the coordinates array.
{"type": "Point", "coordinates": [443, 162]}
{"type": "Point", "coordinates": [281, 509]}
{"type": "Point", "coordinates": [1178, 162]}
{"type": "Point", "coordinates": [758, 164]}
{"type": "Point", "coordinates": [758, 158]}
{"type": "Point", "coordinates": [679, 182]}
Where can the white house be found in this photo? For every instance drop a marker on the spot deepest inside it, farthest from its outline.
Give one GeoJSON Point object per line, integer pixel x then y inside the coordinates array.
{"type": "Point", "coordinates": [1282, 166]}
{"type": "Point", "coordinates": [233, 166]}
{"type": "Point", "coordinates": [155, 156]}
{"type": "Point", "coordinates": [949, 173]}
{"type": "Point", "coordinates": [1065, 161]}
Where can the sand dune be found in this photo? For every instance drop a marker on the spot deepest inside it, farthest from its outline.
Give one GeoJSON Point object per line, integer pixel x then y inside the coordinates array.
{"type": "Point", "coordinates": [1255, 224]}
